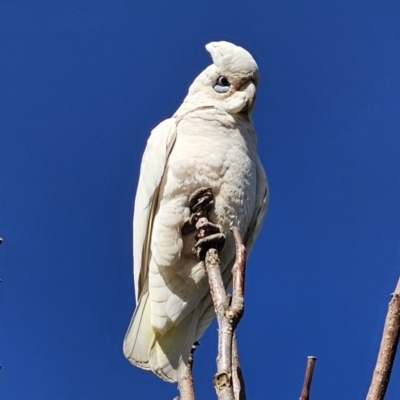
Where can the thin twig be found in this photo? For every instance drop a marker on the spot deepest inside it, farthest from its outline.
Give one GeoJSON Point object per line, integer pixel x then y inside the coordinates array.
{"type": "Point", "coordinates": [388, 348]}
{"type": "Point", "coordinates": [238, 276]}
{"type": "Point", "coordinates": [305, 393]}
{"type": "Point", "coordinates": [223, 378]}
{"type": "Point", "coordinates": [236, 311]}
{"type": "Point", "coordinates": [186, 385]}
{"type": "Point", "coordinates": [239, 390]}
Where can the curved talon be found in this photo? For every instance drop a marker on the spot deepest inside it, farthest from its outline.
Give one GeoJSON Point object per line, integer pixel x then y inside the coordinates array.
{"type": "Point", "coordinates": [201, 203]}
{"type": "Point", "coordinates": [205, 228]}
{"type": "Point", "coordinates": [215, 241]}
{"type": "Point", "coordinates": [190, 224]}
{"type": "Point", "coordinates": [208, 235]}
{"type": "Point", "coordinates": [201, 199]}
{"type": "Point", "coordinates": [195, 217]}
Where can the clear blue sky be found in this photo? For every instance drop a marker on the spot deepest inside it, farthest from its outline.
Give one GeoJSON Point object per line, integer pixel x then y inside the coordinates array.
{"type": "Point", "coordinates": [83, 83]}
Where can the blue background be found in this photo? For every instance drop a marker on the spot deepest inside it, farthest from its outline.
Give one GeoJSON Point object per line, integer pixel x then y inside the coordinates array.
{"type": "Point", "coordinates": [82, 85]}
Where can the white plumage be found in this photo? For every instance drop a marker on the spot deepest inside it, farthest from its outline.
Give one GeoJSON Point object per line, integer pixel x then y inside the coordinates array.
{"type": "Point", "coordinates": [208, 142]}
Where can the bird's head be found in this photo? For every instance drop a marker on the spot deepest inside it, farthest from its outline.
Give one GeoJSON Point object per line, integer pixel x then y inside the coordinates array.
{"type": "Point", "coordinates": [230, 82]}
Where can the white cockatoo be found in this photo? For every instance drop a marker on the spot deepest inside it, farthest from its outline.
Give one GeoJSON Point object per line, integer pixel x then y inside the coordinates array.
{"type": "Point", "coordinates": [209, 142]}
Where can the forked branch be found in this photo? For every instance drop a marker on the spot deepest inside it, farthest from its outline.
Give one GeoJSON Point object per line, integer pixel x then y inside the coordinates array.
{"type": "Point", "coordinates": [229, 310]}
{"type": "Point", "coordinates": [228, 381]}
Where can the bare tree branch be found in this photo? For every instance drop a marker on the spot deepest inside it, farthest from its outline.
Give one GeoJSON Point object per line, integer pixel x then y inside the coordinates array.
{"type": "Point", "coordinates": [305, 393]}
{"type": "Point", "coordinates": [388, 348]}
{"type": "Point", "coordinates": [228, 310]}
{"type": "Point", "coordinates": [239, 390]}
{"type": "Point", "coordinates": [186, 385]}
{"type": "Point", "coordinates": [228, 380]}
{"type": "Point", "coordinates": [223, 378]}
{"type": "Point", "coordinates": [228, 316]}
{"type": "Point", "coordinates": [236, 309]}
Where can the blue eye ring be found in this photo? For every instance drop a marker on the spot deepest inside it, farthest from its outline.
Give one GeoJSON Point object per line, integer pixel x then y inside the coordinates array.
{"type": "Point", "coordinates": [222, 85]}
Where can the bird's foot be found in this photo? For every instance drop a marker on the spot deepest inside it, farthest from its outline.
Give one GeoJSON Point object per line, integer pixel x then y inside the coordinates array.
{"type": "Point", "coordinates": [205, 228]}
{"type": "Point", "coordinates": [200, 203]}
{"type": "Point", "coordinates": [215, 241]}
{"type": "Point", "coordinates": [201, 199]}
{"type": "Point", "coordinates": [208, 236]}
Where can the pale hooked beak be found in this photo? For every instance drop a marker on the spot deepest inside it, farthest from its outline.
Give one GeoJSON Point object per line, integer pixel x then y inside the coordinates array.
{"type": "Point", "coordinates": [250, 89]}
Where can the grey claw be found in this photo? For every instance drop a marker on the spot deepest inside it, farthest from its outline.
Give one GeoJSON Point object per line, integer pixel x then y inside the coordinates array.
{"type": "Point", "coordinates": [200, 203]}
{"type": "Point", "coordinates": [205, 228]}
{"type": "Point", "coordinates": [202, 198]}
{"type": "Point", "coordinates": [215, 241]}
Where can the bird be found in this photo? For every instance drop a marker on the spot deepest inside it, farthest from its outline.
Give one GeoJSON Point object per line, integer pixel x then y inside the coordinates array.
{"type": "Point", "coordinates": [209, 142]}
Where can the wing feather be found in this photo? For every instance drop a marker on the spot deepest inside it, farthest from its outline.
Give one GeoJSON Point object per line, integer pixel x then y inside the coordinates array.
{"type": "Point", "coordinates": [260, 210]}
{"type": "Point", "coordinates": [158, 149]}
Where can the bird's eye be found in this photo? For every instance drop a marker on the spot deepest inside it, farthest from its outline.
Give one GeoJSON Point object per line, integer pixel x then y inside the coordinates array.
{"type": "Point", "coordinates": [222, 85]}
{"type": "Point", "coordinates": [223, 81]}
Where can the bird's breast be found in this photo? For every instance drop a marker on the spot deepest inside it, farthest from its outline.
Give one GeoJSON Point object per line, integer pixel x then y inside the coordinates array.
{"type": "Point", "coordinates": [207, 153]}
{"type": "Point", "coordinates": [219, 153]}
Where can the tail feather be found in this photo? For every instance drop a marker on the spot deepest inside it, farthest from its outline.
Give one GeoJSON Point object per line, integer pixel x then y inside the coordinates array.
{"type": "Point", "coordinates": [140, 336]}
{"type": "Point", "coordinates": [171, 351]}
{"type": "Point", "coordinates": [166, 355]}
